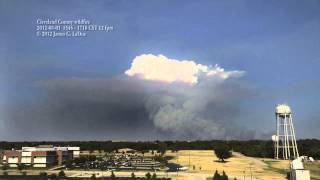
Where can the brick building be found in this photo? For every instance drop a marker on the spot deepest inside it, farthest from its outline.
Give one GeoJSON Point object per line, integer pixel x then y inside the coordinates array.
{"type": "Point", "coordinates": [40, 156]}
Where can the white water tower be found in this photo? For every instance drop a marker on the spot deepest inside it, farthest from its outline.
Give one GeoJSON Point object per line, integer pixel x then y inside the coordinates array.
{"type": "Point", "coordinates": [285, 145]}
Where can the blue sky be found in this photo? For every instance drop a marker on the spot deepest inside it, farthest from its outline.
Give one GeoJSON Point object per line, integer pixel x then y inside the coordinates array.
{"type": "Point", "coordinates": [277, 43]}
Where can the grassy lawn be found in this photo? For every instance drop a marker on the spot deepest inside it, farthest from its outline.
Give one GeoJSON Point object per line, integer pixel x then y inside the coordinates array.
{"type": "Point", "coordinates": [205, 162]}
{"type": "Point", "coordinates": [314, 168]}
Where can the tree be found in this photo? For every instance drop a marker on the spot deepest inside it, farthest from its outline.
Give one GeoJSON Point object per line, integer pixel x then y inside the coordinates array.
{"type": "Point", "coordinates": [154, 176]}
{"type": "Point", "coordinates": [133, 176]}
{"type": "Point", "coordinates": [162, 148]}
{"type": "Point", "coordinates": [61, 174]}
{"type": "Point", "coordinates": [224, 176]}
{"type": "Point", "coordinates": [223, 152]}
{"type": "Point", "coordinates": [92, 157]}
{"type": "Point", "coordinates": [174, 149]}
{"type": "Point", "coordinates": [161, 160]}
{"type": "Point", "coordinates": [216, 176]}
{"type": "Point", "coordinates": [103, 168]}
{"type": "Point", "coordinates": [112, 175]}
{"type": "Point", "coordinates": [148, 175]}
{"type": "Point", "coordinates": [68, 163]}
{"type": "Point", "coordinates": [24, 173]}
{"type": "Point", "coordinates": [5, 173]}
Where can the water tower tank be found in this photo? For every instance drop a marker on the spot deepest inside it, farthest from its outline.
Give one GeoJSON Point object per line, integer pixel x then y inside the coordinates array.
{"type": "Point", "coordinates": [283, 109]}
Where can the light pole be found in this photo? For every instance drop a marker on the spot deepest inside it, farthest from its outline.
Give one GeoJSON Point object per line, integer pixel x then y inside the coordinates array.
{"type": "Point", "coordinates": [189, 158]}
{"type": "Point", "coordinates": [250, 172]}
{"type": "Point", "coordinates": [177, 165]}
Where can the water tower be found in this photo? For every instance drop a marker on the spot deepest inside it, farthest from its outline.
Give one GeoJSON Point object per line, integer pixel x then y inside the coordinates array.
{"type": "Point", "coordinates": [285, 145]}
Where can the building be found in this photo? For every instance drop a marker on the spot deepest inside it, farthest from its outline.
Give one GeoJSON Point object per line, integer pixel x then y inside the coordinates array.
{"type": "Point", "coordinates": [126, 151]}
{"type": "Point", "coordinates": [75, 150]}
{"type": "Point", "coordinates": [297, 170]}
{"type": "Point", "coordinates": [40, 156]}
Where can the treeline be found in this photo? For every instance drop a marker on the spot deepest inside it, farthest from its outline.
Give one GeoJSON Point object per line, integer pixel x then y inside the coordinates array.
{"type": "Point", "coordinates": [254, 148]}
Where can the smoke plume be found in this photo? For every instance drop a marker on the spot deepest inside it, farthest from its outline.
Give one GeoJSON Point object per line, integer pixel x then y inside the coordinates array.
{"type": "Point", "coordinates": [138, 105]}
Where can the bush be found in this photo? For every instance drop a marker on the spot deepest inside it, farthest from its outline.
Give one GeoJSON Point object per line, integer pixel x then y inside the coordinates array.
{"type": "Point", "coordinates": [93, 176]}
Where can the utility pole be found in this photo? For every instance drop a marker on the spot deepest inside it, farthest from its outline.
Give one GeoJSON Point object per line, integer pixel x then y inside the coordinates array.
{"type": "Point", "coordinates": [178, 165]}
{"type": "Point", "coordinates": [189, 158]}
{"type": "Point", "coordinates": [250, 172]}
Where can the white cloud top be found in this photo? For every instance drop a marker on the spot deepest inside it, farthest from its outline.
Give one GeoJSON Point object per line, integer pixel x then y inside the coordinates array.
{"type": "Point", "coordinates": [161, 68]}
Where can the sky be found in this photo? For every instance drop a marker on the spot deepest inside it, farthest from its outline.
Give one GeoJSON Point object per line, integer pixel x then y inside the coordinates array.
{"type": "Point", "coordinates": [168, 70]}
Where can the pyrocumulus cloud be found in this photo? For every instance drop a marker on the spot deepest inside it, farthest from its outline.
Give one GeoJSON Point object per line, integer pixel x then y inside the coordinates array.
{"type": "Point", "coordinates": [161, 68]}
{"type": "Point", "coordinates": [204, 110]}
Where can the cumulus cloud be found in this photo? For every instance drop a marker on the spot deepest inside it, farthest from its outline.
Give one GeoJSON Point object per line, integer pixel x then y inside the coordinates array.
{"type": "Point", "coordinates": [161, 68]}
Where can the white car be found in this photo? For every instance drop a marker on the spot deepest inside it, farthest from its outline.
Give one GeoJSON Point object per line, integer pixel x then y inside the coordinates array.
{"type": "Point", "coordinates": [184, 168]}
